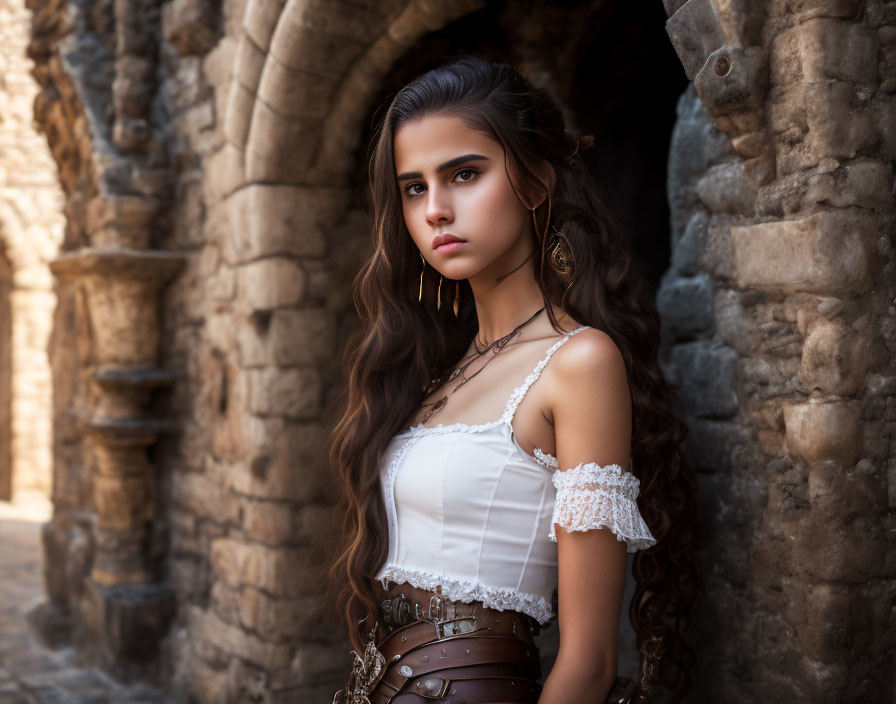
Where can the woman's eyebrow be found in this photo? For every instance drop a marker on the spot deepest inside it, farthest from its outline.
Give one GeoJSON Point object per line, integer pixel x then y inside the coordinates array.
{"type": "Point", "coordinates": [444, 167]}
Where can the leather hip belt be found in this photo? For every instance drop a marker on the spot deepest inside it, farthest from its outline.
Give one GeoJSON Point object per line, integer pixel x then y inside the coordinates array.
{"type": "Point", "coordinates": [427, 648]}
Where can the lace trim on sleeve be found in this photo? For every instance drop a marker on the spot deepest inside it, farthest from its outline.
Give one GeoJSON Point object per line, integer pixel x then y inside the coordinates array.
{"type": "Point", "coordinates": [592, 496]}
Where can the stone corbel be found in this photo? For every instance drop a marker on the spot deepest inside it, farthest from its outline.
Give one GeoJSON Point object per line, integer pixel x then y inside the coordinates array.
{"type": "Point", "coordinates": [730, 73]}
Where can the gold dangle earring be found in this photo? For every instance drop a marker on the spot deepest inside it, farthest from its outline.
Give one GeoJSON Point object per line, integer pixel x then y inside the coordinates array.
{"type": "Point", "coordinates": [439, 294]}
{"type": "Point", "coordinates": [456, 297]}
{"type": "Point", "coordinates": [420, 293]}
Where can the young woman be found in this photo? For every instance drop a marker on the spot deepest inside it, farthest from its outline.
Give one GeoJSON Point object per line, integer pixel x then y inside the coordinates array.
{"type": "Point", "coordinates": [507, 432]}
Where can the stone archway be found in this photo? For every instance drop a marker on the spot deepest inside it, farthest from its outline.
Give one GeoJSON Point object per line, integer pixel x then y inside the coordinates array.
{"type": "Point", "coordinates": [286, 186]}
{"type": "Point", "coordinates": [737, 220]}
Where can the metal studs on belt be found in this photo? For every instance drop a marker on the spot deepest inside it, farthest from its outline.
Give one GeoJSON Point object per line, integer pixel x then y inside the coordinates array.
{"type": "Point", "coordinates": [405, 671]}
{"type": "Point", "coordinates": [444, 653]}
{"type": "Point", "coordinates": [426, 658]}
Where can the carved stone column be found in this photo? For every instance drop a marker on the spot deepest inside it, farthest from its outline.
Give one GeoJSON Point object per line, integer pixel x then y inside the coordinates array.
{"type": "Point", "coordinates": [125, 608]}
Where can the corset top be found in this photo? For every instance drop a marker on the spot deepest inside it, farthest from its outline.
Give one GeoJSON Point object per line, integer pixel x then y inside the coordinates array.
{"type": "Point", "coordinates": [471, 513]}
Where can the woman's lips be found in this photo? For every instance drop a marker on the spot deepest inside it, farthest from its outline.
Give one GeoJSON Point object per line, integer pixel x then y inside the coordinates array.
{"type": "Point", "coordinates": [449, 247]}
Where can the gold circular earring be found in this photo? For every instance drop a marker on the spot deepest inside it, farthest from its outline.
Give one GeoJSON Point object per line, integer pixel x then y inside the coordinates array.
{"type": "Point", "coordinates": [561, 254]}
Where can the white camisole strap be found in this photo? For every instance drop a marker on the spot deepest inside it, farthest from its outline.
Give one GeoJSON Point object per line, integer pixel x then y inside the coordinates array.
{"type": "Point", "coordinates": [520, 391]}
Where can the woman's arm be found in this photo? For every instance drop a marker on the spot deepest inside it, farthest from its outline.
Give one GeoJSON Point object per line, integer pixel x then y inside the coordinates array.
{"type": "Point", "coordinates": [591, 409]}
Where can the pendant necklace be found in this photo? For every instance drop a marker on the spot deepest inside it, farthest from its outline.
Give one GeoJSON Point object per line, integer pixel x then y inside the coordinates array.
{"type": "Point", "coordinates": [496, 346]}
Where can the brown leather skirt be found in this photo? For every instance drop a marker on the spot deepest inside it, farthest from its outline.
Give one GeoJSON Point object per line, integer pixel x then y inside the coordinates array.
{"type": "Point", "coordinates": [427, 648]}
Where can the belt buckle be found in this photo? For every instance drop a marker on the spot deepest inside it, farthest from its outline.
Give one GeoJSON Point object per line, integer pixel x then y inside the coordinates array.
{"type": "Point", "coordinates": [455, 626]}
{"type": "Point", "coordinates": [433, 613]}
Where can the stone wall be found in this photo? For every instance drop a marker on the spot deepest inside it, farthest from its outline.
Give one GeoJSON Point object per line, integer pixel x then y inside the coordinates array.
{"type": "Point", "coordinates": [778, 308]}
{"type": "Point", "coordinates": [31, 225]}
{"type": "Point", "coordinates": [208, 153]}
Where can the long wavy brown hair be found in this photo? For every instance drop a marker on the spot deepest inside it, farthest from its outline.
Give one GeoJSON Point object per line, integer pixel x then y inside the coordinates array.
{"type": "Point", "coordinates": [400, 346]}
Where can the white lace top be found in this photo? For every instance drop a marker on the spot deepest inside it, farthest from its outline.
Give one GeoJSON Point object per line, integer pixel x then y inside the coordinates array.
{"type": "Point", "coordinates": [473, 513]}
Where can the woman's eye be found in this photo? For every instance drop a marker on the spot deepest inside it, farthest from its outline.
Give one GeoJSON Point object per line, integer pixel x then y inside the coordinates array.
{"type": "Point", "coordinates": [463, 176]}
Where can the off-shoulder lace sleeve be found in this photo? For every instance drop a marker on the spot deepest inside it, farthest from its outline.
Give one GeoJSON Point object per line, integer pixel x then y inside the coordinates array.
{"type": "Point", "coordinates": [592, 496]}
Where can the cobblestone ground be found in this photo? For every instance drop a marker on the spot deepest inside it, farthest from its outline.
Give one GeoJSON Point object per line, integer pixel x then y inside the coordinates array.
{"type": "Point", "coordinates": [29, 672]}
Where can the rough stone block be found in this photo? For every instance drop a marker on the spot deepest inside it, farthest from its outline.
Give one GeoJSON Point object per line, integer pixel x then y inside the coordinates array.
{"type": "Point", "coordinates": [279, 619]}
{"type": "Point", "coordinates": [312, 51]}
{"type": "Point", "coordinates": [294, 393]}
{"type": "Point", "coordinates": [823, 120]}
{"type": "Point", "coordinates": [728, 188]}
{"type": "Point", "coordinates": [248, 65]}
{"type": "Point", "coordinates": [285, 572]}
{"type": "Point", "coordinates": [843, 495]}
{"type": "Point", "coordinates": [821, 431]}
{"type": "Point", "coordinates": [839, 125]}
{"type": "Point", "coordinates": [222, 174]}
{"type": "Point", "coordinates": [884, 108]}
{"type": "Point", "coordinates": [686, 251]}
{"type": "Point", "coordinates": [709, 375]}
{"type": "Point", "coordinates": [205, 684]}
{"type": "Point", "coordinates": [824, 48]}
{"type": "Point", "coordinates": [685, 304]}
{"type": "Point", "coordinates": [270, 283]}
{"type": "Point", "coordinates": [268, 220]}
{"type": "Point", "coordinates": [191, 26]}
{"type": "Point", "coordinates": [279, 149]}
{"type": "Point", "coordinates": [828, 633]}
{"type": "Point", "coordinates": [203, 495]}
{"type": "Point", "coordinates": [282, 461]}
{"type": "Point", "coordinates": [268, 522]}
{"type": "Point", "coordinates": [834, 360]}
{"type": "Point", "coordinates": [236, 641]}
{"type": "Point", "coordinates": [294, 93]}
{"type": "Point", "coordinates": [260, 20]}
{"type": "Point", "coordinates": [866, 184]}
{"type": "Point", "coordinates": [736, 325]}
{"type": "Point", "coordinates": [807, 9]}
{"type": "Point", "coordinates": [829, 252]}
{"type": "Point", "coordinates": [832, 551]}
{"type": "Point", "coordinates": [302, 337]}
{"type": "Point", "coordinates": [238, 115]}
{"type": "Point", "coordinates": [225, 602]}
{"type": "Point", "coordinates": [716, 255]}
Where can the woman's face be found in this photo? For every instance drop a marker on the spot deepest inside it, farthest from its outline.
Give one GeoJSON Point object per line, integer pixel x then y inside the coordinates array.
{"type": "Point", "coordinates": [452, 180]}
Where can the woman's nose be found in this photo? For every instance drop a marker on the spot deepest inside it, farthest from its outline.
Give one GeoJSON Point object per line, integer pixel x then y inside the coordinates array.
{"type": "Point", "coordinates": [438, 207]}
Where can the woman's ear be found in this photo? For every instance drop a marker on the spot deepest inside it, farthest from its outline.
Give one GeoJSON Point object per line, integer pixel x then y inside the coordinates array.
{"type": "Point", "coordinates": [547, 178]}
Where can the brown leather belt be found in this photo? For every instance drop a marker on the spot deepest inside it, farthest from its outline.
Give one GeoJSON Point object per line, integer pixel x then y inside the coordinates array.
{"type": "Point", "coordinates": [436, 649]}
{"type": "Point", "coordinates": [403, 604]}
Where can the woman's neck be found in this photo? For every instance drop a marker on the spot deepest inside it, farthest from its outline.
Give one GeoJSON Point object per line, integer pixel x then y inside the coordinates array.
{"type": "Point", "coordinates": [502, 305]}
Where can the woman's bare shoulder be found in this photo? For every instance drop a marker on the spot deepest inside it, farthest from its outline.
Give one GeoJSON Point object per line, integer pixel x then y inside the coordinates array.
{"type": "Point", "coordinates": [588, 357]}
